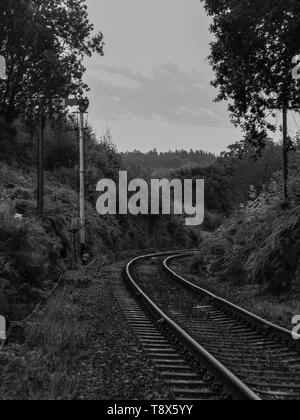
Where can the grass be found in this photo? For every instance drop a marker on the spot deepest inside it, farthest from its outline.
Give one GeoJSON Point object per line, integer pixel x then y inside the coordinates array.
{"type": "Point", "coordinates": [277, 309]}
{"type": "Point", "coordinates": [79, 347]}
{"type": "Point", "coordinates": [55, 342]}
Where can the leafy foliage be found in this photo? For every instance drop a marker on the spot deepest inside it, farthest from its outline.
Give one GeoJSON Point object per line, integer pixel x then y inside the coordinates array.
{"type": "Point", "coordinates": [44, 44]}
{"type": "Point", "coordinates": [228, 180]}
{"type": "Point", "coordinates": [29, 253]}
{"type": "Point", "coordinates": [259, 244]}
{"type": "Point", "coordinates": [255, 42]}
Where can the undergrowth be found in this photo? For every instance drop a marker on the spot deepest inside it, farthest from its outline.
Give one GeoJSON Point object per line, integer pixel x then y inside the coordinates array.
{"type": "Point", "coordinates": [259, 244]}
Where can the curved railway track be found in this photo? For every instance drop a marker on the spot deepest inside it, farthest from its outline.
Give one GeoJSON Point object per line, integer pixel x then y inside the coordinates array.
{"type": "Point", "coordinates": [204, 346]}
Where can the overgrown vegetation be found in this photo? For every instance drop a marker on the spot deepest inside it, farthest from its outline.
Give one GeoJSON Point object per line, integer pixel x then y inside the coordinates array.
{"type": "Point", "coordinates": [260, 243]}
{"type": "Point", "coordinates": [55, 343]}
{"type": "Point", "coordinates": [34, 250]}
{"type": "Point", "coordinates": [228, 180]}
{"type": "Point", "coordinates": [79, 347]}
{"type": "Point", "coordinates": [44, 44]}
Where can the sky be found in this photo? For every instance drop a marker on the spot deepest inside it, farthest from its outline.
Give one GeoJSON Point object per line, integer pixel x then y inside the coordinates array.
{"type": "Point", "coordinates": [152, 88]}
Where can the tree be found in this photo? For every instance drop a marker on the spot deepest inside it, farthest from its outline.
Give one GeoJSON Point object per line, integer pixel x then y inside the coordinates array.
{"type": "Point", "coordinates": [44, 43]}
{"type": "Point", "coordinates": [251, 56]}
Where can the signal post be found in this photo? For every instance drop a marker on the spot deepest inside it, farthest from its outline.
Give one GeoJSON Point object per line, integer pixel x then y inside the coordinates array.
{"type": "Point", "coordinates": [83, 105]}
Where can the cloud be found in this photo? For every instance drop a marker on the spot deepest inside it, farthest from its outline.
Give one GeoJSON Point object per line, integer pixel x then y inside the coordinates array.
{"type": "Point", "coordinates": [175, 96]}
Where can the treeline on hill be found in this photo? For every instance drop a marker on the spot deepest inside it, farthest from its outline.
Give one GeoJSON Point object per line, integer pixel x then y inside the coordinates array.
{"type": "Point", "coordinates": [229, 179]}
{"type": "Point", "coordinates": [168, 160]}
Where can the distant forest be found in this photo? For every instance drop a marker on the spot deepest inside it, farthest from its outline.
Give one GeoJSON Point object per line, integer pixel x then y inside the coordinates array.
{"type": "Point", "coordinates": [168, 160]}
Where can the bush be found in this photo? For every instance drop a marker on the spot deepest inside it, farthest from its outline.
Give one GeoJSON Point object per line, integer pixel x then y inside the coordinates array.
{"type": "Point", "coordinates": [277, 261]}
{"type": "Point", "coordinates": [21, 193]}
{"type": "Point", "coordinates": [259, 244]}
{"type": "Point", "coordinates": [29, 250]}
{"type": "Point", "coordinates": [212, 221]}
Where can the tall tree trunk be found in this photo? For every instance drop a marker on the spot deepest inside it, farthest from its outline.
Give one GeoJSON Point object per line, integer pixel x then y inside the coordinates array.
{"type": "Point", "coordinates": [285, 155]}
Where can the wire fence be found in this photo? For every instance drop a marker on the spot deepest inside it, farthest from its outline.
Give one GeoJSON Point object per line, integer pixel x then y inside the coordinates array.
{"type": "Point", "coordinates": [97, 264]}
{"type": "Point", "coordinates": [14, 324]}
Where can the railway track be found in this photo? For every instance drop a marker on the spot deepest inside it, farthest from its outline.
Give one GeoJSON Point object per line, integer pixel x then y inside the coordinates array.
{"type": "Point", "coordinates": [205, 347]}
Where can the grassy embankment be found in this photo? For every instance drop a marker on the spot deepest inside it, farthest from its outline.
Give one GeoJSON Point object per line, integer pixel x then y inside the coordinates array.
{"type": "Point", "coordinates": [77, 345]}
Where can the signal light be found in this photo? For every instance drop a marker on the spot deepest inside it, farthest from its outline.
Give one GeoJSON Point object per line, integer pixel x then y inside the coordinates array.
{"type": "Point", "coordinates": [3, 75]}
{"type": "Point", "coordinates": [84, 105]}
{"type": "Point", "coordinates": [3, 328]}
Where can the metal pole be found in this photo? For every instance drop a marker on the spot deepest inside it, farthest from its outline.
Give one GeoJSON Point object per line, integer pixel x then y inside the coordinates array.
{"type": "Point", "coordinates": [41, 158]}
{"type": "Point", "coordinates": [82, 184]}
{"type": "Point", "coordinates": [285, 154]}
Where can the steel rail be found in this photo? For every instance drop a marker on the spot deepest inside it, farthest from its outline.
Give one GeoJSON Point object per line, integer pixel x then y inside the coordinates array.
{"type": "Point", "coordinates": [230, 382]}
{"type": "Point", "coordinates": [250, 318]}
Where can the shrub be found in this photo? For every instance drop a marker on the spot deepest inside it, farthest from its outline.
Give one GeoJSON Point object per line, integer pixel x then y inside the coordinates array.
{"type": "Point", "coordinates": [277, 261]}
{"type": "Point", "coordinates": [29, 249]}
{"type": "Point", "coordinates": [21, 194]}
{"type": "Point", "coordinates": [212, 221]}
{"type": "Point", "coordinates": [259, 244]}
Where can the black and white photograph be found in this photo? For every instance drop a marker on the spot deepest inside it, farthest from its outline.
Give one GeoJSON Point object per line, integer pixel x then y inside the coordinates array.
{"type": "Point", "coordinates": [149, 203]}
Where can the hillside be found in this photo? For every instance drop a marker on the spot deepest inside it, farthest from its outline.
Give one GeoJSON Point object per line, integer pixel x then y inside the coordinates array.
{"type": "Point", "coordinates": [35, 250]}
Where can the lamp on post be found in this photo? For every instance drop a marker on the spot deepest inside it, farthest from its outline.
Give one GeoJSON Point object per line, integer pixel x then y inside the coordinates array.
{"type": "Point", "coordinates": [83, 107]}
{"type": "Point", "coordinates": [3, 75]}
